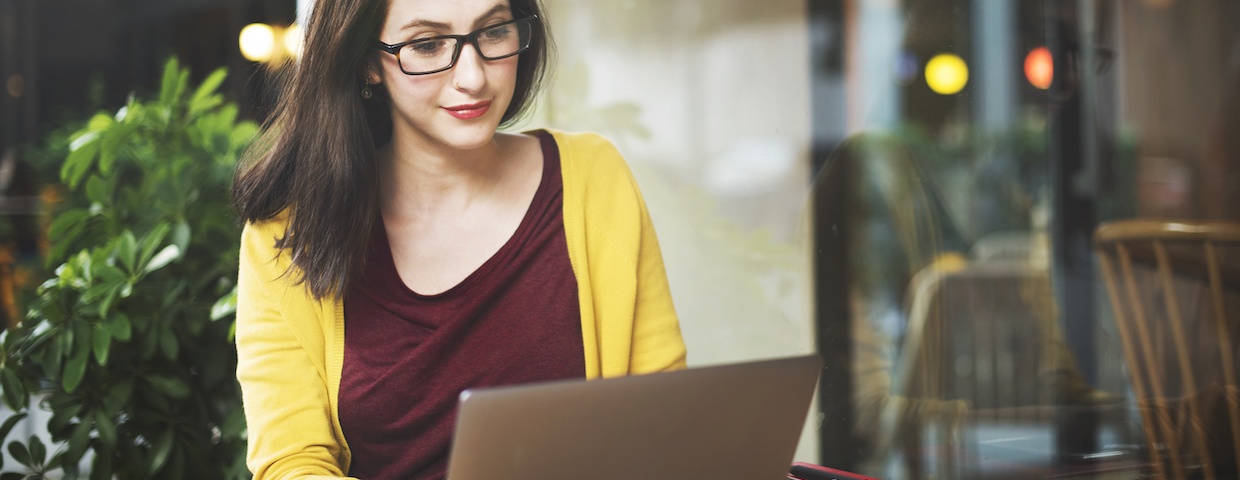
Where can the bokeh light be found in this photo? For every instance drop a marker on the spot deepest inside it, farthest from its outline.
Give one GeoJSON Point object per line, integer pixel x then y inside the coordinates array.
{"type": "Point", "coordinates": [905, 68]}
{"type": "Point", "coordinates": [292, 40]}
{"type": "Point", "coordinates": [258, 42]}
{"type": "Point", "coordinates": [16, 85]}
{"type": "Point", "coordinates": [947, 74]}
{"type": "Point", "coordinates": [1040, 68]}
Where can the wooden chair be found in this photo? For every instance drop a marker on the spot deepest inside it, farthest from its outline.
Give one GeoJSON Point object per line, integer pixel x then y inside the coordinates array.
{"type": "Point", "coordinates": [1175, 291]}
{"type": "Point", "coordinates": [986, 334]}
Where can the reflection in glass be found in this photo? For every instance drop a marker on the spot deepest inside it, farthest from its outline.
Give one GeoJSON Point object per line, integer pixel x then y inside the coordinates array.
{"type": "Point", "coordinates": [954, 236]}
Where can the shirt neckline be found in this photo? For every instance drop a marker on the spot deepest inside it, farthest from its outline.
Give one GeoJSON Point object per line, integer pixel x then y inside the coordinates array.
{"type": "Point", "coordinates": [388, 263]}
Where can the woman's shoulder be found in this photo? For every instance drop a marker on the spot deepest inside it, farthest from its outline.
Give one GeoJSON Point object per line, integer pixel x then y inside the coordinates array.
{"type": "Point", "coordinates": [274, 227]}
{"type": "Point", "coordinates": [583, 143]}
{"type": "Point", "coordinates": [589, 154]}
{"type": "Point", "coordinates": [580, 139]}
{"type": "Point", "coordinates": [260, 239]}
{"type": "Point", "coordinates": [269, 271]}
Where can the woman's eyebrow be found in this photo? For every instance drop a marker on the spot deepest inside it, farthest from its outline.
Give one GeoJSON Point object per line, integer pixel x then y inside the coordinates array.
{"type": "Point", "coordinates": [425, 23]}
{"type": "Point", "coordinates": [498, 8]}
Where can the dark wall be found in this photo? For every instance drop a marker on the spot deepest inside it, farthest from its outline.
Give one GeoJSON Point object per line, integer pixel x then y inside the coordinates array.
{"type": "Point", "coordinates": [78, 56]}
{"type": "Point", "coordinates": [63, 60]}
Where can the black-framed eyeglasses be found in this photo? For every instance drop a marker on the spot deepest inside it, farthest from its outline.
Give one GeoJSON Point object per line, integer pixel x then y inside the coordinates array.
{"type": "Point", "coordinates": [424, 56]}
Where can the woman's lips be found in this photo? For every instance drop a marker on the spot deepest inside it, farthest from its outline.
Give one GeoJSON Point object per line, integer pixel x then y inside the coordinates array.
{"type": "Point", "coordinates": [466, 112]}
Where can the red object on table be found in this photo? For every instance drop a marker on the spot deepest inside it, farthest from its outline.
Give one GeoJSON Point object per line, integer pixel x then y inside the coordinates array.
{"type": "Point", "coordinates": [809, 471]}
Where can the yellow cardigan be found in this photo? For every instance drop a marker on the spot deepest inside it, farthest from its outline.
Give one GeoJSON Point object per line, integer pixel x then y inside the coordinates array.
{"type": "Point", "coordinates": [290, 347]}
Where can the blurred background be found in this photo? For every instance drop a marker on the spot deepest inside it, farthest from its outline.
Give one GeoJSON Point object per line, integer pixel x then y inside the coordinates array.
{"type": "Point", "coordinates": [910, 188]}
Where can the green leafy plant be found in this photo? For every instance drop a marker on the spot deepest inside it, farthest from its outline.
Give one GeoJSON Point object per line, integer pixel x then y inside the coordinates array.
{"type": "Point", "coordinates": [129, 345]}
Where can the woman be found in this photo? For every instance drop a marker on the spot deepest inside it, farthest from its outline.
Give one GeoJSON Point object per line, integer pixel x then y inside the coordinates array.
{"type": "Point", "coordinates": [398, 249]}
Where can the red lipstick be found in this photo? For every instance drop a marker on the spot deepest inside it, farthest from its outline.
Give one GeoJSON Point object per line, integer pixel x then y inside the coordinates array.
{"type": "Point", "coordinates": [466, 112]}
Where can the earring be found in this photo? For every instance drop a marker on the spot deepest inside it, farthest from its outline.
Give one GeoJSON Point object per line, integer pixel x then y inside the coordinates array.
{"type": "Point", "coordinates": [367, 92]}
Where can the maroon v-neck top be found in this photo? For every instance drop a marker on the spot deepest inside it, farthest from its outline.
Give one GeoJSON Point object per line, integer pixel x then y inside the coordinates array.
{"type": "Point", "coordinates": [408, 356]}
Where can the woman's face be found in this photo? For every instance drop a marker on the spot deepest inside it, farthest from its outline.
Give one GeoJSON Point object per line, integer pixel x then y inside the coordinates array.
{"type": "Point", "coordinates": [459, 108]}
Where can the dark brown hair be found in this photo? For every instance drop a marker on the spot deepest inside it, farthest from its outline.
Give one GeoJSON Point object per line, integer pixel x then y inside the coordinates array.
{"type": "Point", "coordinates": [316, 158]}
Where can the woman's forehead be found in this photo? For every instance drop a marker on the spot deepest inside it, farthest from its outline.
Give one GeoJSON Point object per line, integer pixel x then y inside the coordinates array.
{"type": "Point", "coordinates": [445, 14]}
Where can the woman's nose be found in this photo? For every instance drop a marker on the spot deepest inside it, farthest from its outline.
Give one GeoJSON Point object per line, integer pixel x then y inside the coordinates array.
{"type": "Point", "coordinates": [467, 74]}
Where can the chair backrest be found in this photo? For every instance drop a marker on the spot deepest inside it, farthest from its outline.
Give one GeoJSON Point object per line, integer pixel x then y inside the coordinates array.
{"type": "Point", "coordinates": [982, 333]}
{"type": "Point", "coordinates": [1175, 292]}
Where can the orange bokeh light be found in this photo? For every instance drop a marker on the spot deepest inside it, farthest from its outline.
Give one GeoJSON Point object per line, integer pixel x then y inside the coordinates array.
{"type": "Point", "coordinates": [1040, 68]}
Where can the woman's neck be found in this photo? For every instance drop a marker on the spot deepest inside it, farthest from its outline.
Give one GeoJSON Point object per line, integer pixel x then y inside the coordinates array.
{"type": "Point", "coordinates": [417, 180]}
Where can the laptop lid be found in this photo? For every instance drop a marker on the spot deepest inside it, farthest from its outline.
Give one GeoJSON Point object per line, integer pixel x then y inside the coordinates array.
{"type": "Point", "coordinates": [729, 422]}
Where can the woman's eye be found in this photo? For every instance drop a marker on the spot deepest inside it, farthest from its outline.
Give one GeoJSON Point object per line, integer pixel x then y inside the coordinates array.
{"type": "Point", "coordinates": [499, 33]}
{"type": "Point", "coordinates": [429, 47]}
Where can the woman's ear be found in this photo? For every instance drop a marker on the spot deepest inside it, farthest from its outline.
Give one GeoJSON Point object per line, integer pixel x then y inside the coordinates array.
{"type": "Point", "coordinates": [373, 72]}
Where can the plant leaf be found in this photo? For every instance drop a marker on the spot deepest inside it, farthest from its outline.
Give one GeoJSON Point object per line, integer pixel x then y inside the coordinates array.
{"type": "Point", "coordinates": [38, 451]}
{"type": "Point", "coordinates": [20, 453]}
{"type": "Point", "coordinates": [75, 368]}
{"type": "Point", "coordinates": [168, 343]}
{"type": "Point", "coordinates": [159, 452]}
{"type": "Point", "coordinates": [201, 99]}
{"type": "Point", "coordinates": [168, 83]}
{"type": "Point", "coordinates": [98, 190]}
{"type": "Point", "coordinates": [108, 297]}
{"type": "Point", "coordinates": [106, 429]}
{"type": "Point", "coordinates": [61, 418]}
{"type": "Point", "coordinates": [14, 390]}
{"type": "Point", "coordinates": [127, 250]}
{"type": "Point", "coordinates": [102, 344]}
{"type": "Point", "coordinates": [55, 356]}
{"type": "Point", "coordinates": [150, 242]}
{"type": "Point", "coordinates": [81, 156]}
{"type": "Point", "coordinates": [118, 394]}
{"type": "Point", "coordinates": [120, 327]}
{"type": "Point", "coordinates": [99, 122]}
{"type": "Point", "coordinates": [9, 423]}
{"type": "Point", "coordinates": [82, 263]}
{"type": "Point", "coordinates": [233, 425]}
{"type": "Point", "coordinates": [242, 135]}
{"type": "Point", "coordinates": [96, 292]}
{"type": "Point", "coordinates": [225, 306]}
{"type": "Point", "coordinates": [78, 443]}
{"type": "Point", "coordinates": [66, 339]}
{"type": "Point", "coordinates": [102, 468]}
{"type": "Point", "coordinates": [182, 84]}
{"type": "Point", "coordinates": [109, 275]}
{"type": "Point", "coordinates": [111, 145]}
{"type": "Point", "coordinates": [171, 386]}
{"type": "Point", "coordinates": [64, 229]}
{"type": "Point", "coordinates": [163, 258]}
{"type": "Point", "coordinates": [147, 344]}
{"type": "Point", "coordinates": [181, 235]}
{"type": "Point", "coordinates": [176, 462]}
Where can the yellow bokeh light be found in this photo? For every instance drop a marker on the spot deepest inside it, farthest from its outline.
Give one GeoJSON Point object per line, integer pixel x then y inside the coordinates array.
{"type": "Point", "coordinates": [292, 40]}
{"type": "Point", "coordinates": [947, 74]}
{"type": "Point", "coordinates": [258, 42]}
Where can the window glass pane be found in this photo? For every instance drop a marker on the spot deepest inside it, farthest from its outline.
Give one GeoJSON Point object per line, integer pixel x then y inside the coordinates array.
{"type": "Point", "coordinates": [911, 188]}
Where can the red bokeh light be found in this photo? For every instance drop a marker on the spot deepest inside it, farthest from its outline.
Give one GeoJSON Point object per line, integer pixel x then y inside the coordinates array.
{"type": "Point", "coordinates": [1040, 68]}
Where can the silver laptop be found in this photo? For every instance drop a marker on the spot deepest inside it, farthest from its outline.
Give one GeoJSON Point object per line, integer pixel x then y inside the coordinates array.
{"type": "Point", "coordinates": [729, 422]}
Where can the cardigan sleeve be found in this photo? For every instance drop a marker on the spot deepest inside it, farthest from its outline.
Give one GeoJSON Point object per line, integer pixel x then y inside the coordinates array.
{"type": "Point", "coordinates": [657, 341]}
{"type": "Point", "coordinates": [628, 320]}
{"type": "Point", "coordinates": [281, 369]}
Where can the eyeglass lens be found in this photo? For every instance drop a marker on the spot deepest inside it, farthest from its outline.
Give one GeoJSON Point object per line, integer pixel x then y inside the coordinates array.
{"type": "Point", "coordinates": [493, 43]}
